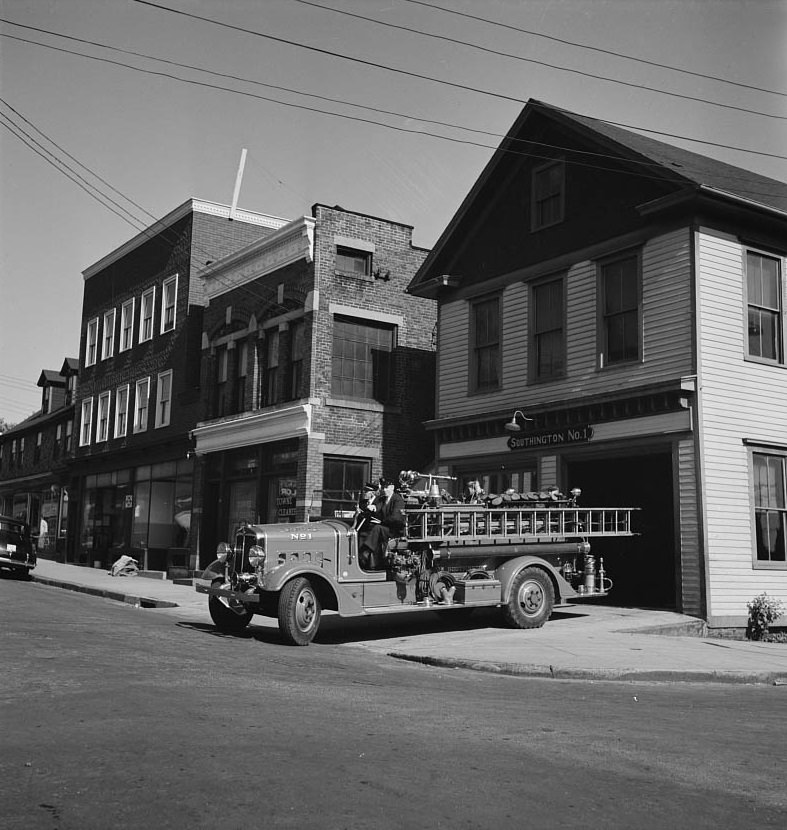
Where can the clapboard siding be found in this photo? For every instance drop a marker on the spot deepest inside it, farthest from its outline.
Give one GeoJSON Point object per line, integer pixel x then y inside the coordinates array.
{"type": "Point", "coordinates": [667, 341]}
{"type": "Point", "coordinates": [690, 548]}
{"type": "Point", "coordinates": [740, 400]}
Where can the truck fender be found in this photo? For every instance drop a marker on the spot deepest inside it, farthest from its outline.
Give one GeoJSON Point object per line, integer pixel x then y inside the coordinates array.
{"type": "Point", "coordinates": [509, 569]}
{"type": "Point", "coordinates": [332, 596]}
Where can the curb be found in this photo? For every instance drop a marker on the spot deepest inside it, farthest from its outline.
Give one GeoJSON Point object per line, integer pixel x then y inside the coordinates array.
{"type": "Point", "coordinates": [558, 673]}
{"type": "Point", "coordinates": [117, 596]}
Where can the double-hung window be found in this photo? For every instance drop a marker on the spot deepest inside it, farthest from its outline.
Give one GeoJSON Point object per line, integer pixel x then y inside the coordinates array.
{"type": "Point", "coordinates": [108, 343]}
{"type": "Point", "coordinates": [272, 368]}
{"type": "Point", "coordinates": [169, 293]}
{"type": "Point", "coordinates": [770, 510]}
{"type": "Point", "coordinates": [121, 411]}
{"type": "Point", "coordinates": [91, 350]}
{"type": "Point", "coordinates": [102, 426]}
{"type": "Point", "coordinates": [548, 195]}
{"type": "Point", "coordinates": [547, 326]}
{"type": "Point", "coordinates": [164, 399]}
{"type": "Point", "coordinates": [127, 325]}
{"type": "Point", "coordinates": [485, 345]}
{"type": "Point", "coordinates": [361, 364]}
{"type": "Point", "coordinates": [141, 396]}
{"type": "Point", "coordinates": [146, 315]}
{"type": "Point", "coordinates": [86, 424]}
{"type": "Point", "coordinates": [765, 306]}
{"type": "Point", "coordinates": [620, 318]}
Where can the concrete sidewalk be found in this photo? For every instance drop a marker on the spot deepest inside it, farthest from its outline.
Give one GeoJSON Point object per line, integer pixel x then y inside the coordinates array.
{"type": "Point", "coordinates": [583, 641]}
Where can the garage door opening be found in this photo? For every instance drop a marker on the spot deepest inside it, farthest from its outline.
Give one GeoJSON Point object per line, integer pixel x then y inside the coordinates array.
{"type": "Point", "coordinates": [642, 568]}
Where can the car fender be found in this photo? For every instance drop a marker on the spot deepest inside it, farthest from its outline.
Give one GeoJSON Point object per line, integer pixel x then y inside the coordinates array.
{"type": "Point", "coordinates": [344, 602]}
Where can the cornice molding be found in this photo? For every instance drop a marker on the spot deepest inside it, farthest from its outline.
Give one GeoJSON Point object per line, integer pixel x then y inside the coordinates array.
{"type": "Point", "coordinates": [252, 429]}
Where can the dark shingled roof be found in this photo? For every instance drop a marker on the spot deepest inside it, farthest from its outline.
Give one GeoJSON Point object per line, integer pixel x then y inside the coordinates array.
{"type": "Point", "coordinates": [695, 168]}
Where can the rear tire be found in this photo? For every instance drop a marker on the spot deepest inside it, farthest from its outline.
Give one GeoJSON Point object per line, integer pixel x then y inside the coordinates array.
{"type": "Point", "coordinates": [299, 612]}
{"type": "Point", "coordinates": [531, 601]}
{"type": "Point", "coordinates": [231, 618]}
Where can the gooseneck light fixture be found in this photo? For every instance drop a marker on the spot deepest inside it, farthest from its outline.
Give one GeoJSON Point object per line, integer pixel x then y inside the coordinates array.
{"type": "Point", "coordinates": [513, 424]}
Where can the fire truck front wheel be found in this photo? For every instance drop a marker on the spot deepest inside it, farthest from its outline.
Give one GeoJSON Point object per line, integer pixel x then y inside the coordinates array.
{"type": "Point", "coordinates": [299, 612]}
{"type": "Point", "coordinates": [229, 616]}
{"type": "Point", "coordinates": [531, 601]}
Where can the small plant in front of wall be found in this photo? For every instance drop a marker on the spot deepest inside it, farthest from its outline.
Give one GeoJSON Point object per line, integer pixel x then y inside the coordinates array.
{"type": "Point", "coordinates": [763, 611]}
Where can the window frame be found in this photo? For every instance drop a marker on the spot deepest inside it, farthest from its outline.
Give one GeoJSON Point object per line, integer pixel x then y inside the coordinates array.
{"type": "Point", "coordinates": [538, 200]}
{"type": "Point", "coordinates": [603, 334]}
{"type": "Point", "coordinates": [103, 417]}
{"type": "Point", "coordinates": [127, 325]}
{"type": "Point", "coordinates": [768, 564]}
{"type": "Point", "coordinates": [350, 502]}
{"type": "Point", "coordinates": [121, 429]}
{"type": "Point", "coordinates": [147, 301]}
{"type": "Point", "coordinates": [86, 422]}
{"type": "Point", "coordinates": [475, 386]}
{"type": "Point", "coordinates": [348, 253]}
{"type": "Point", "coordinates": [164, 403]}
{"type": "Point", "coordinates": [91, 344]}
{"type": "Point", "coordinates": [108, 340]}
{"type": "Point", "coordinates": [166, 306]}
{"type": "Point", "coordinates": [141, 418]}
{"type": "Point", "coordinates": [778, 313]}
{"type": "Point", "coordinates": [534, 334]}
{"type": "Point", "coordinates": [373, 382]}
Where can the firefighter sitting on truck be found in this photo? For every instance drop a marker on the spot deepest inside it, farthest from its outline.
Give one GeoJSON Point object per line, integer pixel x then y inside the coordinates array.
{"type": "Point", "coordinates": [387, 521]}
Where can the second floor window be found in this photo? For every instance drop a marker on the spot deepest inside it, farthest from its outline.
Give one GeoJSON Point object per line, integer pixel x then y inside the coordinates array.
{"type": "Point", "coordinates": [121, 411]}
{"type": "Point", "coordinates": [272, 368]}
{"type": "Point", "coordinates": [619, 285]}
{"type": "Point", "coordinates": [86, 427]}
{"type": "Point", "coordinates": [164, 399]}
{"type": "Point", "coordinates": [69, 436]}
{"type": "Point", "coordinates": [243, 362]}
{"type": "Point", "coordinates": [296, 359]}
{"type": "Point", "coordinates": [361, 365]}
{"type": "Point", "coordinates": [37, 450]}
{"type": "Point", "coordinates": [108, 343]}
{"type": "Point", "coordinates": [547, 195]}
{"type": "Point", "coordinates": [141, 396]}
{"type": "Point", "coordinates": [169, 293]}
{"type": "Point", "coordinates": [146, 315]}
{"type": "Point", "coordinates": [764, 306]}
{"type": "Point", "coordinates": [127, 325]}
{"type": "Point", "coordinates": [91, 352]}
{"type": "Point", "coordinates": [485, 345]}
{"type": "Point", "coordinates": [102, 427]}
{"type": "Point", "coordinates": [546, 324]}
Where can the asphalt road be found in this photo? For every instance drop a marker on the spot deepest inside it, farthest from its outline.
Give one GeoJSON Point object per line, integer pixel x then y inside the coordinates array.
{"type": "Point", "coordinates": [113, 716]}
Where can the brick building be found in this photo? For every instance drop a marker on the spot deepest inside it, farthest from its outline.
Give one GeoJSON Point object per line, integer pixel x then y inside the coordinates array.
{"type": "Point", "coordinates": [34, 456]}
{"type": "Point", "coordinates": [139, 385]}
{"type": "Point", "coordinates": [318, 371]}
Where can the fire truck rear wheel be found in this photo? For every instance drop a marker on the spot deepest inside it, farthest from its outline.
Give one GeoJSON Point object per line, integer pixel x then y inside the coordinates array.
{"type": "Point", "coordinates": [299, 612]}
{"type": "Point", "coordinates": [228, 618]}
{"type": "Point", "coordinates": [531, 601]}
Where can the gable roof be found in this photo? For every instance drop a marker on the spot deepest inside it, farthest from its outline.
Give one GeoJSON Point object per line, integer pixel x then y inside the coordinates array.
{"type": "Point", "coordinates": [690, 172]}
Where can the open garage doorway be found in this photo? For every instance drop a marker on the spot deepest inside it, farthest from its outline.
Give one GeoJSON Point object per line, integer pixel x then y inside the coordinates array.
{"type": "Point", "coordinates": [642, 568]}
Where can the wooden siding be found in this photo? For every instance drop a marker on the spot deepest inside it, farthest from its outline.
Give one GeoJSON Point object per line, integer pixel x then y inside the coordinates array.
{"type": "Point", "coordinates": [741, 399]}
{"type": "Point", "coordinates": [691, 571]}
{"type": "Point", "coordinates": [667, 343]}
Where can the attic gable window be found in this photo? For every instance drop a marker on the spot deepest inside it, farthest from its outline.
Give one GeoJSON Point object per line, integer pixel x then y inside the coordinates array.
{"type": "Point", "coordinates": [351, 262]}
{"type": "Point", "coordinates": [548, 195]}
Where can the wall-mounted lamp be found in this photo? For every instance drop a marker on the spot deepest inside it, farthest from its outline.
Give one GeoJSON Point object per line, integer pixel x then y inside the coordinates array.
{"type": "Point", "coordinates": [513, 424]}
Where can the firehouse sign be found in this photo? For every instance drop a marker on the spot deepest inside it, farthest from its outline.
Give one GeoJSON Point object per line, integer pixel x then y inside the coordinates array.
{"type": "Point", "coordinates": [554, 438]}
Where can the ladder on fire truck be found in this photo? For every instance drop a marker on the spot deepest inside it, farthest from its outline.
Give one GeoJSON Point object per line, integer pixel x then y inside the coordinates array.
{"type": "Point", "coordinates": [480, 525]}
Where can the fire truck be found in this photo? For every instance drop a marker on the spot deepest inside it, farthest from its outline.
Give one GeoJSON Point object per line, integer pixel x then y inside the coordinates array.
{"type": "Point", "coordinates": [522, 553]}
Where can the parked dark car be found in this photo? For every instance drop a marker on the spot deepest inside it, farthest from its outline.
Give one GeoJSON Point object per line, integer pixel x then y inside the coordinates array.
{"type": "Point", "coordinates": [16, 547]}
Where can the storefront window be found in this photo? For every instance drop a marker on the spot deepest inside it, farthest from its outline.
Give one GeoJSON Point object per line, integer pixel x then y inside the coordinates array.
{"type": "Point", "coordinates": [342, 481]}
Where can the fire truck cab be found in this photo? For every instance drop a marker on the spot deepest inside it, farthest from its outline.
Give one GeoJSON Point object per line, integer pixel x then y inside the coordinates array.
{"type": "Point", "coordinates": [524, 556]}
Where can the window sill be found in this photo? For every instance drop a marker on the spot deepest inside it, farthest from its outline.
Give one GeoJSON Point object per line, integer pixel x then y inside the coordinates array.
{"type": "Point", "coordinates": [764, 361]}
{"type": "Point", "coordinates": [363, 403]}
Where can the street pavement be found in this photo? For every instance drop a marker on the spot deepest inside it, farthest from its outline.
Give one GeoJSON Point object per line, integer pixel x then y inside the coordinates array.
{"type": "Point", "coordinates": [585, 641]}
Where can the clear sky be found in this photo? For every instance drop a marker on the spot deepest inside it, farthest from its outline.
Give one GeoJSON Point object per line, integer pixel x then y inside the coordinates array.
{"type": "Point", "coordinates": [149, 142]}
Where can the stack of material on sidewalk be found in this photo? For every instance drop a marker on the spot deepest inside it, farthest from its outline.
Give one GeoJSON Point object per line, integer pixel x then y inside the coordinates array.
{"type": "Point", "coordinates": [125, 566]}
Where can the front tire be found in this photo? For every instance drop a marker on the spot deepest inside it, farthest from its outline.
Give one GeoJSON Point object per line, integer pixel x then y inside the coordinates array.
{"type": "Point", "coordinates": [299, 612]}
{"type": "Point", "coordinates": [229, 616]}
{"type": "Point", "coordinates": [531, 601]}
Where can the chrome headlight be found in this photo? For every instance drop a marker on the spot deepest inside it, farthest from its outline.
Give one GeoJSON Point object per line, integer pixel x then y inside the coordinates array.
{"type": "Point", "coordinates": [256, 556]}
{"type": "Point", "coordinates": [223, 551]}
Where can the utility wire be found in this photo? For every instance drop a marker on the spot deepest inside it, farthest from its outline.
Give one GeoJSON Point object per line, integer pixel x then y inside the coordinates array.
{"type": "Point", "coordinates": [538, 62]}
{"type": "Point", "coordinates": [375, 65]}
{"type": "Point", "coordinates": [595, 48]}
{"type": "Point", "coordinates": [290, 90]}
{"type": "Point", "coordinates": [411, 131]}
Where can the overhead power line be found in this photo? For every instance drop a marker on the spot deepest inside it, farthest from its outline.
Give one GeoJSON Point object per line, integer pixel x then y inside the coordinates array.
{"type": "Point", "coordinates": [598, 49]}
{"type": "Point", "coordinates": [559, 68]}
